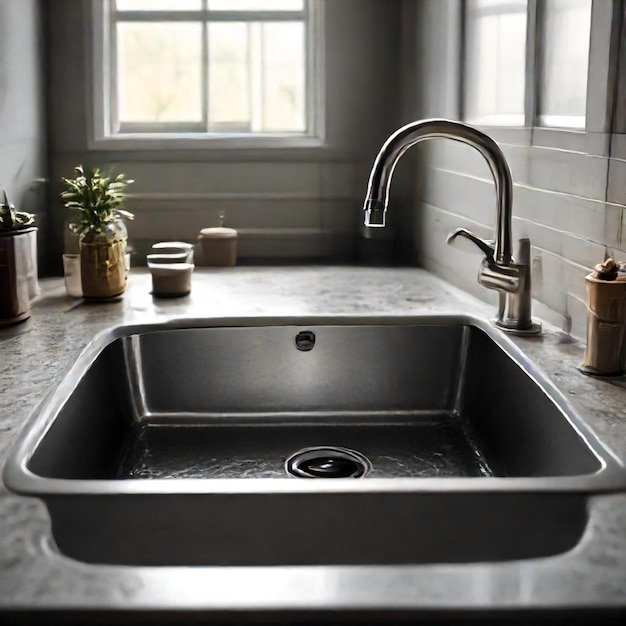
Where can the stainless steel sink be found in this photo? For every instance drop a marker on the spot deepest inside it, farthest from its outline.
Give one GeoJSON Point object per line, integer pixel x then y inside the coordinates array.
{"type": "Point", "coordinates": [179, 444]}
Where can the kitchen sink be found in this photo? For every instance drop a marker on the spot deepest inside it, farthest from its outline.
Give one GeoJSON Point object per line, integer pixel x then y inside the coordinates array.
{"type": "Point", "coordinates": [310, 441]}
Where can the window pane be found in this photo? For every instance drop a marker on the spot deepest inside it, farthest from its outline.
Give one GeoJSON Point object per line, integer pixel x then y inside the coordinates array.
{"type": "Point", "coordinates": [158, 5]}
{"type": "Point", "coordinates": [283, 77]}
{"type": "Point", "coordinates": [159, 72]}
{"type": "Point", "coordinates": [229, 77]}
{"type": "Point", "coordinates": [256, 5]}
{"type": "Point", "coordinates": [565, 62]}
{"type": "Point", "coordinates": [254, 86]}
{"type": "Point", "coordinates": [495, 61]}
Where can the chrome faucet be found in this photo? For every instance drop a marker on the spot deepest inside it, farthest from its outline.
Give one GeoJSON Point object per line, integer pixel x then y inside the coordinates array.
{"type": "Point", "coordinates": [499, 270]}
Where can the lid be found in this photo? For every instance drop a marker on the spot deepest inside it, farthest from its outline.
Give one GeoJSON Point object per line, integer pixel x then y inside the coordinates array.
{"type": "Point", "coordinates": [176, 257]}
{"type": "Point", "coordinates": [219, 232]}
{"type": "Point", "coordinates": [170, 269]}
{"type": "Point", "coordinates": [178, 246]}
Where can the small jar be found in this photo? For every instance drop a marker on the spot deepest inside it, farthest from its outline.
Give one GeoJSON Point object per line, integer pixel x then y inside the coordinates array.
{"type": "Point", "coordinates": [171, 280]}
{"type": "Point", "coordinates": [217, 247]}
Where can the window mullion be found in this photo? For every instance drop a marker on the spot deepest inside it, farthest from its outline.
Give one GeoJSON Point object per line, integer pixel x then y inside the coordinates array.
{"type": "Point", "coordinates": [257, 16]}
{"type": "Point", "coordinates": [206, 14]}
{"type": "Point", "coordinates": [533, 43]}
{"type": "Point", "coordinates": [256, 78]}
{"type": "Point", "coordinates": [308, 66]}
{"type": "Point", "coordinates": [159, 16]}
{"type": "Point", "coordinates": [113, 76]}
{"type": "Point", "coordinates": [205, 68]}
{"type": "Point", "coordinates": [462, 64]}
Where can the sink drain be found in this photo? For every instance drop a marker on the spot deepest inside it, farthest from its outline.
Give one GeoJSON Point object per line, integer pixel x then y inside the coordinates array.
{"type": "Point", "coordinates": [328, 462]}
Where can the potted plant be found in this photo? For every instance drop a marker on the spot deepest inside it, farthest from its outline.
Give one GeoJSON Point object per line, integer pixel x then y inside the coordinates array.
{"type": "Point", "coordinates": [98, 198]}
{"type": "Point", "coordinates": [18, 262]}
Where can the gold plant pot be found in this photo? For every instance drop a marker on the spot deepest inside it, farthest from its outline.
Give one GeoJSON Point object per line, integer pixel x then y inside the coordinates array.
{"type": "Point", "coordinates": [102, 263]}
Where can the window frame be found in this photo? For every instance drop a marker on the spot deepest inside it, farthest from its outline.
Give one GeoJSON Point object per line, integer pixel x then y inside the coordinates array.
{"type": "Point", "coordinates": [600, 116]}
{"type": "Point", "coordinates": [102, 101]}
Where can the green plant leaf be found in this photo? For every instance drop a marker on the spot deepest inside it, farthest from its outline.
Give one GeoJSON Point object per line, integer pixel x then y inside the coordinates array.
{"type": "Point", "coordinates": [97, 196]}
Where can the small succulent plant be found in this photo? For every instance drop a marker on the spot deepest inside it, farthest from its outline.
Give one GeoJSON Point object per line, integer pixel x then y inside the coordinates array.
{"type": "Point", "coordinates": [97, 197]}
{"type": "Point", "coordinates": [11, 219]}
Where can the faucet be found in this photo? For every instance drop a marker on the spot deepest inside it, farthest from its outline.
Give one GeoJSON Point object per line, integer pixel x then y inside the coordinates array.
{"type": "Point", "coordinates": [498, 270]}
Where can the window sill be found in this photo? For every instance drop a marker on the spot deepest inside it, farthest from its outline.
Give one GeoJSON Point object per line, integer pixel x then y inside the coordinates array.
{"type": "Point", "coordinates": [203, 141]}
{"type": "Point", "coordinates": [567, 139]}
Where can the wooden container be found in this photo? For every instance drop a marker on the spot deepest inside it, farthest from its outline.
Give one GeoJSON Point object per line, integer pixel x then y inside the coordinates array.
{"type": "Point", "coordinates": [606, 327]}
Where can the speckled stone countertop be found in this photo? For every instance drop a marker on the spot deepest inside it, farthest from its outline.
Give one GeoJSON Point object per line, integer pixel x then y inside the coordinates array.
{"type": "Point", "coordinates": [34, 577]}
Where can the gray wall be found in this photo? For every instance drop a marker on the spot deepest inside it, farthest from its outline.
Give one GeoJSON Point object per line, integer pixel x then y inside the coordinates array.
{"type": "Point", "coordinates": [570, 189]}
{"type": "Point", "coordinates": [291, 203]}
{"type": "Point", "coordinates": [22, 121]}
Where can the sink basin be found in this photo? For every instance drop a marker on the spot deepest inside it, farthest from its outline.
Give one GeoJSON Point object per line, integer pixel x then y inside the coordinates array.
{"type": "Point", "coordinates": [181, 443]}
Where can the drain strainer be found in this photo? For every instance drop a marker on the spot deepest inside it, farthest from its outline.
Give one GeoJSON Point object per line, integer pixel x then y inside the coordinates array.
{"type": "Point", "coordinates": [328, 462]}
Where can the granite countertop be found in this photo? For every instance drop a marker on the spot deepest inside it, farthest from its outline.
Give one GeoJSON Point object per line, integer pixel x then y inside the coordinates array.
{"type": "Point", "coordinates": [35, 355]}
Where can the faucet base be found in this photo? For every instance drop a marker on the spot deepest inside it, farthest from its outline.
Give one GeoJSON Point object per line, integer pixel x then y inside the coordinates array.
{"type": "Point", "coordinates": [532, 330]}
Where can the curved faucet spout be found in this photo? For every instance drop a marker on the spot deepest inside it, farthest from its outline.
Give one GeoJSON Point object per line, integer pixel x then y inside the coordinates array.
{"type": "Point", "coordinates": [377, 198]}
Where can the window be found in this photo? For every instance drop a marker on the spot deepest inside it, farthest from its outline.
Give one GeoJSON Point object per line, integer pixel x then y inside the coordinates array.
{"type": "Point", "coordinates": [565, 61]}
{"type": "Point", "coordinates": [211, 68]}
{"type": "Point", "coordinates": [514, 78]}
{"type": "Point", "coordinates": [495, 45]}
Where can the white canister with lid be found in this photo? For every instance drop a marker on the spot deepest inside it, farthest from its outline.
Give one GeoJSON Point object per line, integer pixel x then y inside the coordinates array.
{"type": "Point", "coordinates": [217, 247]}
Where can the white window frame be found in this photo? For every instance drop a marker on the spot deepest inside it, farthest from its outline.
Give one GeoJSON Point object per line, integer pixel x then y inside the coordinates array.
{"type": "Point", "coordinates": [100, 96]}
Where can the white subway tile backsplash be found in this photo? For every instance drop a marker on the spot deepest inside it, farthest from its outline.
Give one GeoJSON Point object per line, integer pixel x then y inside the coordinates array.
{"type": "Point", "coordinates": [546, 314]}
{"type": "Point", "coordinates": [591, 143]}
{"type": "Point", "coordinates": [568, 172]}
{"type": "Point", "coordinates": [548, 280]}
{"type": "Point", "coordinates": [582, 251]}
{"type": "Point", "coordinates": [618, 145]}
{"type": "Point", "coordinates": [464, 195]}
{"type": "Point", "coordinates": [288, 244]}
{"type": "Point", "coordinates": [161, 219]}
{"type": "Point", "coordinates": [613, 224]}
{"type": "Point", "coordinates": [577, 311]}
{"type": "Point", "coordinates": [540, 236]}
{"type": "Point", "coordinates": [303, 178]}
{"type": "Point", "coordinates": [338, 180]}
{"type": "Point", "coordinates": [570, 214]}
{"type": "Point", "coordinates": [458, 157]}
{"type": "Point", "coordinates": [575, 283]}
{"type": "Point", "coordinates": [340, 216]}
{"type": "Point", "coordinates": [616, 191]}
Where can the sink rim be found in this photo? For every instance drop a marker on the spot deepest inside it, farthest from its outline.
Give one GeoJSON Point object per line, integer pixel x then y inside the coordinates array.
{"type": "Point", "coordinates": [611, 476]}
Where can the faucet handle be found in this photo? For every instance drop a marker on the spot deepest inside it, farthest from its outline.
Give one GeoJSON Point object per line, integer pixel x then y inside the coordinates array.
{"type": "Point", "coordinates": [492, 275]}
{"type": "Point", "coordinates": [486, 246]}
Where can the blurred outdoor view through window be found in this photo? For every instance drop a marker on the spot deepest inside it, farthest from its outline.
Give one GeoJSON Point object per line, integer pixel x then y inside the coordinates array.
{"type": "Point", "coordinates": [217, 66]}
{"type": "Point", "coordinates": [495, 57]}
